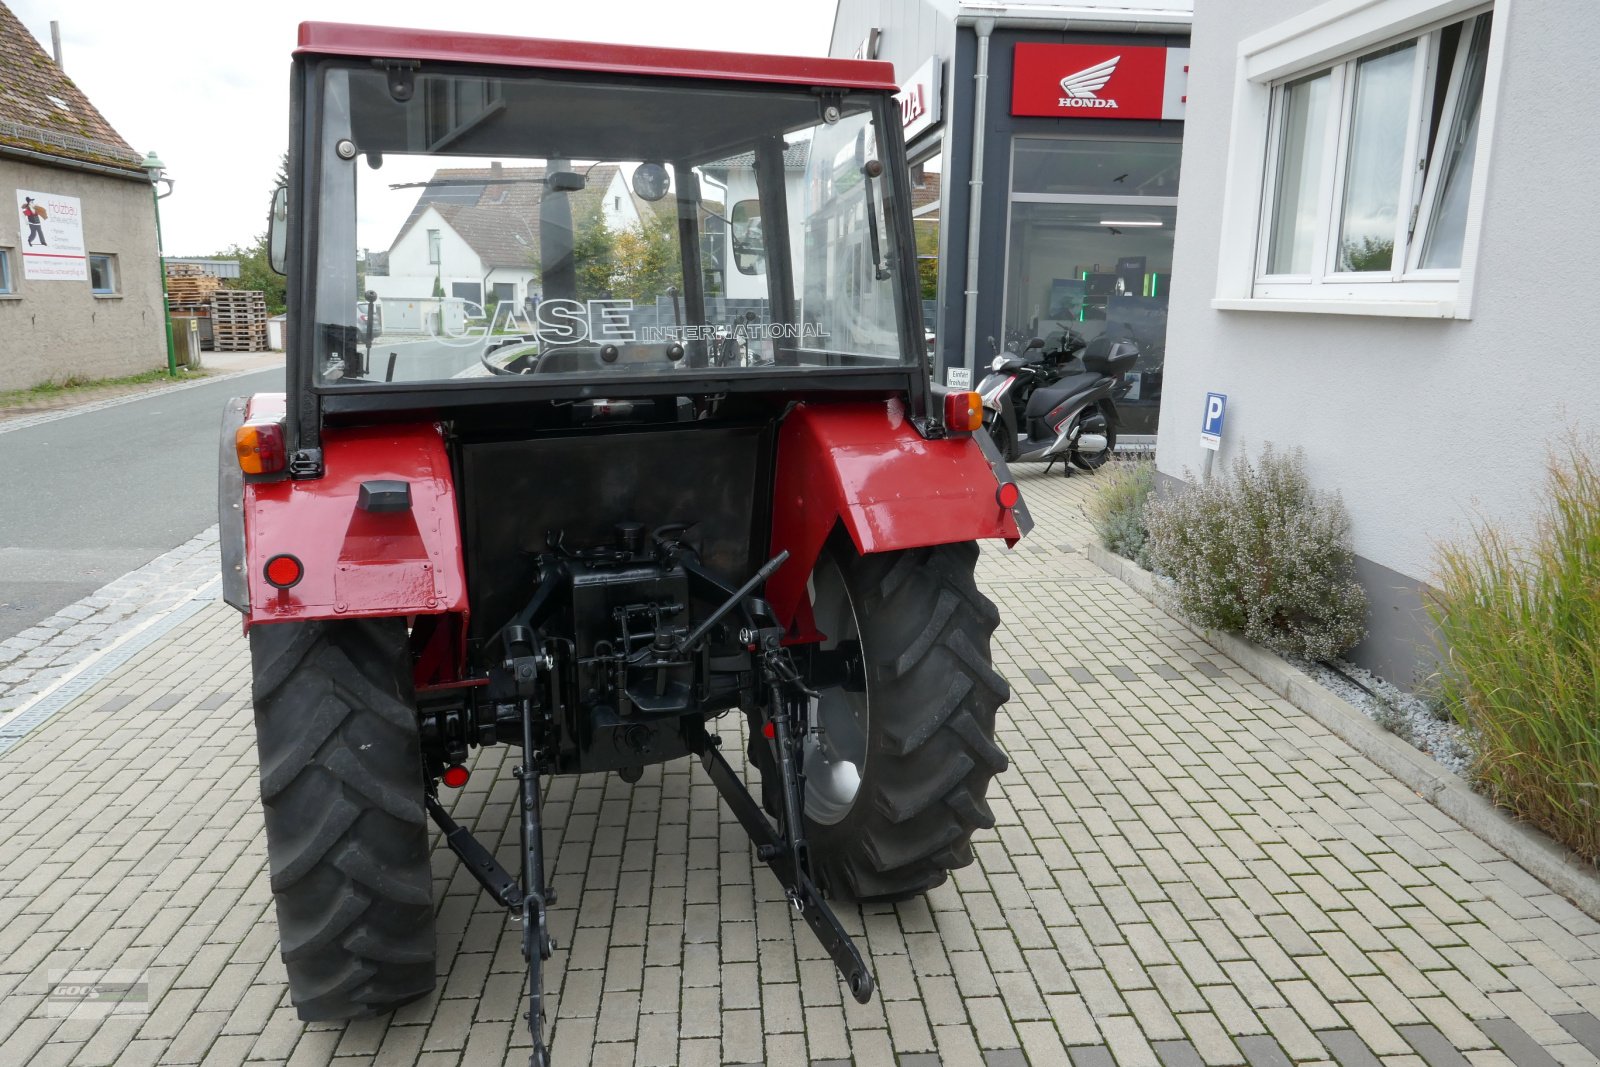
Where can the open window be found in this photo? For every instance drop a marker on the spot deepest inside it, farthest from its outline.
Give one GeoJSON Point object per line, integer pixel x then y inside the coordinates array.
{"type": "Point", "coordinates": [1368, 166]}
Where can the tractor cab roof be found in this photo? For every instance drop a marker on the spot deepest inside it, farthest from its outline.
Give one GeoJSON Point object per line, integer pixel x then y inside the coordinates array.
{"type": "Point", "coordinates": [388, 42]}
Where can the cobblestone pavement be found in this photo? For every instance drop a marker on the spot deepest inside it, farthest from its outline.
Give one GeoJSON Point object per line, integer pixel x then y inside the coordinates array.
{"type": "Point", "coordinates": [1186, 871]}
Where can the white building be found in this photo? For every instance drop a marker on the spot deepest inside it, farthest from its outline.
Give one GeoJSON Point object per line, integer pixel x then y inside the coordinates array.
{"type": "Point", "coordinates": [475, 231]}
{"type": "Point", "coordinates": [1377, 229]}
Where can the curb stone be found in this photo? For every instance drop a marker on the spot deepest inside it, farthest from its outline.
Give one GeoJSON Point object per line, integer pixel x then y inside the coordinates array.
{"type": "Point", "coordinates": [1558, 867]}
{"type": "Point", "coordinates": [23, 422]}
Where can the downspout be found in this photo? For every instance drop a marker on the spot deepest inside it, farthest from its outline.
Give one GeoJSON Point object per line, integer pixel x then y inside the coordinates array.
{"type": "Point", "coordinates": [983, 27]}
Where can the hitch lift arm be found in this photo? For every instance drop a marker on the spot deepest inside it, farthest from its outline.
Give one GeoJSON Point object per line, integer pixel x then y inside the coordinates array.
{"type": "Point", "coordinates": [783, 848]}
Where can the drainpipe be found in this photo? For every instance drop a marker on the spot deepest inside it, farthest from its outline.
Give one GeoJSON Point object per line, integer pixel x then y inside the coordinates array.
{"type": "Point", "coordinates": [983, 27]}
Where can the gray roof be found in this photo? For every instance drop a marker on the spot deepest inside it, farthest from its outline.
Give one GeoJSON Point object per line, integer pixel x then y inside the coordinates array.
{"type": "Point", "coordinates": [496, 211]}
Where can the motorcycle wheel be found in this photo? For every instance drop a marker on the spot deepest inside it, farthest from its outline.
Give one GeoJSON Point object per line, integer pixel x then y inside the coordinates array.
{"type": "Point", "coordinates": [1090, 461]}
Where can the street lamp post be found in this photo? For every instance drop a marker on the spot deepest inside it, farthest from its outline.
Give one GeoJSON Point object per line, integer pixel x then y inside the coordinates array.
{"type": "Point", "coordinates": [158, 173]}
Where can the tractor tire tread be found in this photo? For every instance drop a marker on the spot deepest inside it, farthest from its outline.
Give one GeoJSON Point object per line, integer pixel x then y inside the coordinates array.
{"type": "Point", "coordinates": [347, 832]}
{"type": "Point", "coordinates": [925, 630]}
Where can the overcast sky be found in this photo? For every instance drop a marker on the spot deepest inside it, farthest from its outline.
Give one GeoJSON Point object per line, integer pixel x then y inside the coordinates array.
{"type": "Point", "coordinates": [205, 85]}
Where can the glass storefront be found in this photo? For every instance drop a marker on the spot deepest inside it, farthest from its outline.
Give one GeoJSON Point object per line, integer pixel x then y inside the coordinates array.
{"type": "Point", "coordinates": [1090, 252]}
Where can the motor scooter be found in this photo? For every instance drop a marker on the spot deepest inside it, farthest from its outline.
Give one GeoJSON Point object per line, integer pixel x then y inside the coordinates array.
{"type": "Point", "coordinates": [1054, 400]}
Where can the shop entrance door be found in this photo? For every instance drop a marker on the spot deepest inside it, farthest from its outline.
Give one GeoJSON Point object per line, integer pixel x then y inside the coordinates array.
{"type": "Point", "coordinates": [1090, 253]}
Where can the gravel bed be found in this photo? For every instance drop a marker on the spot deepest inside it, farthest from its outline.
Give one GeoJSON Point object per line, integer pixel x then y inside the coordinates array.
{"type": "Point", "coordinates": [1413, 719]}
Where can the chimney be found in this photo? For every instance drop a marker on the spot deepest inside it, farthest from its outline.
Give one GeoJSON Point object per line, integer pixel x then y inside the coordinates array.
{"type": "Point", "coordinates": [55, 42]}
{"type": "Point", "coordinates": [495, 169]}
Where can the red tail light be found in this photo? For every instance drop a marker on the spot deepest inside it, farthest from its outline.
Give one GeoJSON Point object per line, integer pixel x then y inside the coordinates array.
{"type": "Point", "coordinates": [260, 447]}
{"type": "Point", "coordinates": [284, 571]}
{"type": "Point", "coordinates": [1007, 495]}
{"type": "Point", "coordinates": [455, 776]}
{"type": "Point", "coordinates": [963, 412]}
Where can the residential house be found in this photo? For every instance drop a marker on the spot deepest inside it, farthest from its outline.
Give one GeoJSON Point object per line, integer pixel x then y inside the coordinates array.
{"type": "Point", "coordinates": [474, 232]}
{"type": "Point", "coordinates": [80, 271]}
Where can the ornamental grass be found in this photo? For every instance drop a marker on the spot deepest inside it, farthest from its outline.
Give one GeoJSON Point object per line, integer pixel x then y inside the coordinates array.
{"type": "Point", "coordinates": [1519, 636]}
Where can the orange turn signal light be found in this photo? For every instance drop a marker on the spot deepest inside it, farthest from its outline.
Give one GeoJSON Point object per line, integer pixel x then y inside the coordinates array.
{"type": "Point", "coordinates": [963, 412]}
{"type": "Point", "coordinates": [260, 447]}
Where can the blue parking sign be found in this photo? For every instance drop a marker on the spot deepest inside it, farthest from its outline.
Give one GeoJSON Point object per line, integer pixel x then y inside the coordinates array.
{"type": "Point", "coordinates": [1211, 425]}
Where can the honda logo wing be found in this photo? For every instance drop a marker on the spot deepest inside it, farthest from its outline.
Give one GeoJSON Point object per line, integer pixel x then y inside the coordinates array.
{"type": "Point", "coordinates": [1086, 82]}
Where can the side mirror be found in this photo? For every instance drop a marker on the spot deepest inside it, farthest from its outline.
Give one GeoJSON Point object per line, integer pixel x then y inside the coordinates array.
{"type": "Point", "coordinates": [278, 230]}
{"type": "Point", "coordinates": [744, 233]}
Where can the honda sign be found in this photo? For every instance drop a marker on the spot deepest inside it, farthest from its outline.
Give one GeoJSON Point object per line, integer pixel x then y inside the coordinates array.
{"type": "Point", "coordinates": [1099, 81]}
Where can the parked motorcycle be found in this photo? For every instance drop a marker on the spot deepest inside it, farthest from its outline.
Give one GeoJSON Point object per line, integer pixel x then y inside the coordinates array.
{"type": "Point", "coordinates": [1053, 400]}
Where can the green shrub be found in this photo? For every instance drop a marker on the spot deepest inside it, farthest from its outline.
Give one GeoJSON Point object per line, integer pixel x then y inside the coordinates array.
{"type": "Point", "coordinates": [1257, 551]}
{"type": "Point", "coordinates": [1116, 510]}
{"type": "Point", "coordinates": [1519, 636]}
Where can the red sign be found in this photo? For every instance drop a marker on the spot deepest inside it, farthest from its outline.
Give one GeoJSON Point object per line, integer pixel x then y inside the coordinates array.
{"type": "Point", "coordinates": [1093, 81]}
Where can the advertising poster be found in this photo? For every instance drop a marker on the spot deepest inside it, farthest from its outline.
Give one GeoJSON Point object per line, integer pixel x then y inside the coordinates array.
{"type": "Point", "coordinates": [50, 237]}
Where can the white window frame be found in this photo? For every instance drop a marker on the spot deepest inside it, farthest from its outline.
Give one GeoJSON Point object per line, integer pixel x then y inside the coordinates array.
{"type": "Point", "coordinates": [1336, 33]}
{"type": "Point", "coordinates": [112, 268]}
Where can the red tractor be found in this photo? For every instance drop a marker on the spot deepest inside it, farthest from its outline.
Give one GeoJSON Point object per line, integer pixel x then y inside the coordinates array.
{"type": "Point", "coordinates": [528, 486]}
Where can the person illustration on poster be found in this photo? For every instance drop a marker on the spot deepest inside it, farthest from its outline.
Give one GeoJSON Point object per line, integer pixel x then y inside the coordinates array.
{"type": "Point", "coordinates": [35, 216]}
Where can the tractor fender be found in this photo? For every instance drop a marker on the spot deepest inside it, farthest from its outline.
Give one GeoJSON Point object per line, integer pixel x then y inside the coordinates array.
{"type": "Point", "coordinates": [357, 562]}
{"type": "Point", "coordinates": [865, 467]}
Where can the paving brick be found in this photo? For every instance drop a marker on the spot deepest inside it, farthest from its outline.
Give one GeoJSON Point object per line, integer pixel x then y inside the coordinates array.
{"type": "Point", "coordinates": [1183, 869]}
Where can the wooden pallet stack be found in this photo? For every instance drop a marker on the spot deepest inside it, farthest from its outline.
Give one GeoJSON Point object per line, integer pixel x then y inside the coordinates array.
{"type": "Point", "coordinates": [239, 320]}
{"type": "Point", "coordinates": [189, 288]}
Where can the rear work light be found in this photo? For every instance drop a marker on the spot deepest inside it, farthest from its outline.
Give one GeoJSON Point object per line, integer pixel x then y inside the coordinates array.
{"type": "Point", "coordinates": [260, 447]}
{"type": "Point", "coordinates": [283, 571]}
{"type": "Point", "coordinates": [963, 412]}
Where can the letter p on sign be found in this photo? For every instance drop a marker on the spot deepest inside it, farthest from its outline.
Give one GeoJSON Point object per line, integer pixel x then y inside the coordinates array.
{"type": "Point", "coordinates": [1211, 426]}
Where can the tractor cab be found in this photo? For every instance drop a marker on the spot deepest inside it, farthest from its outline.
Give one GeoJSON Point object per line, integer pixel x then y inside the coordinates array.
{"type": "Point", "coordinates": [524, 230]}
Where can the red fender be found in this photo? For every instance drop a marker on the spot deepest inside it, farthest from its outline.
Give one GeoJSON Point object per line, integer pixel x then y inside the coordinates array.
{"type": "Point", "coordinates": [865, 466]}
{"type": "Point", "coordinates": [357, 563]}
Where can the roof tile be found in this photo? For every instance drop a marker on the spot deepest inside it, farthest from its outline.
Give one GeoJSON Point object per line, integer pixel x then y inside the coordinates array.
{"type": "Point", "coordinates": [43, 110]}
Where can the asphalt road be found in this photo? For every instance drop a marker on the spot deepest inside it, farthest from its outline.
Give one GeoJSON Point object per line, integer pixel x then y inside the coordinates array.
{"type": "Point", "coordinates": [85, 499]}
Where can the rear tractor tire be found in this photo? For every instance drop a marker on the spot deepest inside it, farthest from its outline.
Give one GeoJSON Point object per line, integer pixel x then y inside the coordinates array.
{"type": "Point", "coordinates": [347, 832]}
{"type": "Point", "coordinates": [896, 777]}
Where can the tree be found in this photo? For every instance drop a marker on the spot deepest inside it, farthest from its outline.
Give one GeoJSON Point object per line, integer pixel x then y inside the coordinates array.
{"type": "Point", "coordinates": [638, 262]}
{"type": "Point", "coordinates": [255, 272]}
{"type": "Point", "coordinates": [928, 259]}
{"type": "Point", "coordinates": [646, 261]}
{"type": "Point", "coordinates": [1370, 253]}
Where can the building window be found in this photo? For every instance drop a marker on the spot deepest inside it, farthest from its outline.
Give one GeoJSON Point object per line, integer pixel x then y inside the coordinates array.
{"type": "Point", "coordinates": [5, 271]}
{"type": "Point", "coordinates": [103, 275]}
{"type": "Point", "coordinates": [1361, 193]}
{"type": "Point", "coordinates": [433, 246]}
{"type": "Point", "coordinates": [1372, 161]}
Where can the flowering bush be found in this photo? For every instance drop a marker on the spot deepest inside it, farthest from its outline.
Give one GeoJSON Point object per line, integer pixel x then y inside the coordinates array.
{"type": "Point", "coordinates": [1116, 510]}
{"type": "Point", "coordinates": [1257, 551]}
